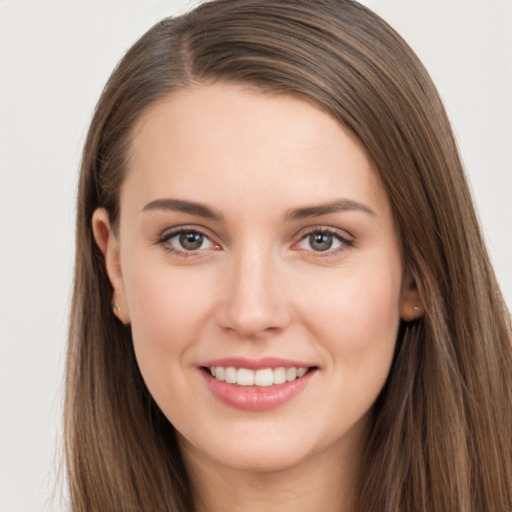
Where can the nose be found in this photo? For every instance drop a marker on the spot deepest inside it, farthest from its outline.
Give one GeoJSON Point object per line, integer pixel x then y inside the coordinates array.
{"type": "Point", "coordinates": [253, 300]}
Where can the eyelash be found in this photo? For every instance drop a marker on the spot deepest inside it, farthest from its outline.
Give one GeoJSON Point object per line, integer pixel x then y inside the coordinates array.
{"type": "Point", "coordinates": [345, 243]}
{"type": "Point", "coordinates": [163, 241]}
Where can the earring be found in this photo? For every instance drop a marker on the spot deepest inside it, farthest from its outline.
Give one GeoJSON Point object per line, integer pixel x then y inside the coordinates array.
{"type": "Point", "coordinates": [416, 308]}
{"type": "Point", "coordinates": [115, 307]}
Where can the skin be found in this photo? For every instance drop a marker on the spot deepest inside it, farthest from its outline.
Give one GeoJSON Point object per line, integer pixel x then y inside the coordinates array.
{"type": "Point", "coordinates": [258, 286]}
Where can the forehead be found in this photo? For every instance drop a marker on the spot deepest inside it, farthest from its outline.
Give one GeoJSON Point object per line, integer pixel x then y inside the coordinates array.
{"type": "Point", "coordinates": [246, 143]}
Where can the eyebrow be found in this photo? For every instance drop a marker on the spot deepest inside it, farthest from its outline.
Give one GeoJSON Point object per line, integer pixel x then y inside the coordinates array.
{"type": "Point", "coordinates": [339, 205]}
{"type": "Point", "coordinates": [180, 205]}
{"type": "Point", "coordinates": [201, 210]}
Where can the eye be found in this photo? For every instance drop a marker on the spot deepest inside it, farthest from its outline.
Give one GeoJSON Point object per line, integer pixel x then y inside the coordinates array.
{"type": "Point", "coordinates": [189, 240]}
{"type": "Point", "coordinates": [186, 241]}
{"type": "Point", "coordinates": [323, 240]}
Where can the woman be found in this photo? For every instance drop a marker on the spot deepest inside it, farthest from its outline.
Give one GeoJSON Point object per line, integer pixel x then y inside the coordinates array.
{"type": "Point", "coordinates": [282, 297]}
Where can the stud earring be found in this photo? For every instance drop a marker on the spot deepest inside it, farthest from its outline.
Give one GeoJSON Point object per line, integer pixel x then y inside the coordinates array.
{"type": "Point", "coordinates": [115, 307]}
{"type": "Point", "coordinates": [416, 308]}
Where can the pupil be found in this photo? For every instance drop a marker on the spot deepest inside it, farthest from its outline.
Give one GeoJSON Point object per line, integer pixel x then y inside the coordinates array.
{"type": "Point", "coordinates": [320, 241]}
{"type": "Point", "coordinates": [191, 241]}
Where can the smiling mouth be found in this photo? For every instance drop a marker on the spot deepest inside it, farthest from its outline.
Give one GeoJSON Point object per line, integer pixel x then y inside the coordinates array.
{"type": "Point", "coordinates": [264, 377]}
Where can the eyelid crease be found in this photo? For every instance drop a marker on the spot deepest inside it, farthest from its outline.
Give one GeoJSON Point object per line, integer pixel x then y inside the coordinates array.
{"type": "Point", "coordinates": [341, 234]}
{"type": "Point", "coordinates": [170, 233]}
{"type": "Point", "coordinates": [345, 240]}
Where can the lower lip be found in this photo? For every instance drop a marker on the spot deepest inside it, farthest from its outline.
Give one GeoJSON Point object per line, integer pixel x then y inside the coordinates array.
{"type": "Point", "coordinates": [253, 398]}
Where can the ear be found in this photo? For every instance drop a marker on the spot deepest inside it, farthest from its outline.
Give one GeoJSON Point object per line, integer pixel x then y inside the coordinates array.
{"type": "Point", "coordinates": [411, 307]}
{"type": "Point", "coordinates": [109, 246]}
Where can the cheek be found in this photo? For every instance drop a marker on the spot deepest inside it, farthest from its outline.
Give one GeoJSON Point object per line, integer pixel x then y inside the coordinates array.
{"type": "Point", "coordinates": [167, 310]}
{"type": "Point", "coordinates": [356, 324]}
{"type": "Point", "coordinates": [357, 318]}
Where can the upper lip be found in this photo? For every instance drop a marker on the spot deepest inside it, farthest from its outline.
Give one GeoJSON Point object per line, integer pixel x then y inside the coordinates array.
{"type": "Point", "coordinates": [256, 364]}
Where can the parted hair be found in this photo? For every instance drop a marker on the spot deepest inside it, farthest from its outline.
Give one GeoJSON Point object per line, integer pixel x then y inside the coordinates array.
{"type": "Point", "coordinates": [441, 432]}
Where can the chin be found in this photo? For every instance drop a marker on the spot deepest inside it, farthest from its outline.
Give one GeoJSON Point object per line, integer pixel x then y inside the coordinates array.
{"type": "Point", "coordinates": [256, 451]}
{"type": "Point", "coordinates": [268, 461]}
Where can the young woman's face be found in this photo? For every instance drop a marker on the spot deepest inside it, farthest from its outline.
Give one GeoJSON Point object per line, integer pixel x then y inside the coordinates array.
{"type": "Point", "coordinates": [256, 243]}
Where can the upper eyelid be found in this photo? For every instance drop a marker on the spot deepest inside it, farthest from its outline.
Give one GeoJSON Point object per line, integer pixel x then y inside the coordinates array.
{"type": "Point", "coordinates": [166, 234]}
{"type": "Point", "coordinates": [169, 232]}
{"type": "Point", "coordinates": [346, 240]}
{"type": "Point", "coordinates": [163, 240]}
{"type": "Point", "coordinates": [340, 233]}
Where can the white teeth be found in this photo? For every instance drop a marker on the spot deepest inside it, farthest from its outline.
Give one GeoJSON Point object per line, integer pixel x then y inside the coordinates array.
{"type": "Point", "coordinates": [291, 374]}
{"type": "Point", "coordinates": [263, 378]}
{"type": "Point", "coordinates": [245, 377]}
{"type": "Point", "coordinates": [301, 372]}
{"type": "Point", "coordinates": [230, 376]}
{"type": "Point", "coordinates": [280, 375]}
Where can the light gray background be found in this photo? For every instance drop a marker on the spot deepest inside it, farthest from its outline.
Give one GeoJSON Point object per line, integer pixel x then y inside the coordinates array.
{"type": "Point", "coordinates": [55, 56]}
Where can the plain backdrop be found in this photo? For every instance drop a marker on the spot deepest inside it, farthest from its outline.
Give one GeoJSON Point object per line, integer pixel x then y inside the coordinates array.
{"type": "Point", "coordinates": [55, 56]}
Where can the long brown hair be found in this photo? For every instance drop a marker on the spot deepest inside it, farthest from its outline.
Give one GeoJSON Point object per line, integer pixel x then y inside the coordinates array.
{"type": "Point", "coordinates": [442, 434]}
